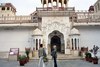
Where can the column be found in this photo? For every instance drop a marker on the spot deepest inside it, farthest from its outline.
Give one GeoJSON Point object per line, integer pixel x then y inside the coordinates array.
{"type": "Point", "coordinates": [62, 3]}
{"type": "Point", "coordinates": [65, 41]}
{"type": "Point", "coordinates": [46, 44]}
{"type": "Point", "coordinates": [42, 3]}
{"type": "Point", "coordinates": [38, 44]}
{"type": "Point", "coordinates": [57, 3]}
{"type": "Point", "coordinates": [35, 43]}
{"type": "Point", "coordinates": [41, 41]}
{"type": "Point", "coordinates": [51, 3]}
{"type": "Point", "coordinates": [66, 5]}
{"type": "Point", "coordinates": [78, 44]}
{"type": "Point", "coordinates": [47, 3]}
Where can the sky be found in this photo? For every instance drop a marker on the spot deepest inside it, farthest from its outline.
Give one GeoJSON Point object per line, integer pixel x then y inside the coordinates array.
{"type": "Point", "coordinates": [26, 7]}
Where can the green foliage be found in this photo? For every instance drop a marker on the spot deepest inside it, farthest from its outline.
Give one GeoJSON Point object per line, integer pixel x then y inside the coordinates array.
{"type": "Point", "coordinates": [21, 57]}
{"type": "Point", "coordinates": [27, 52]}
{"type": "Point", "coordinates": [88, 54]}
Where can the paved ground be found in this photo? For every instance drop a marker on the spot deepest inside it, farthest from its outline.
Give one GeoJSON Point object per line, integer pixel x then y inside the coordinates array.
{"type": "Point", "coordinates": [61, 63]}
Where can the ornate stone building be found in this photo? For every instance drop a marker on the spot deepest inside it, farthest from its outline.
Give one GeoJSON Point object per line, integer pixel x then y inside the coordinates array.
{"type": "Point", "coordinates": [52, 24]}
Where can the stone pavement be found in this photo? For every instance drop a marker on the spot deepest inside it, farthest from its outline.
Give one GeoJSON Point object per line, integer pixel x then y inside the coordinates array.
{"type": "Point", "coordinates": [61, 63]}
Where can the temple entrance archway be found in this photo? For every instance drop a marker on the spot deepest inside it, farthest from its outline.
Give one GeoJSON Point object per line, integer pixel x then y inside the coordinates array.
{"type": "Point", "coordinates": [56, 38]}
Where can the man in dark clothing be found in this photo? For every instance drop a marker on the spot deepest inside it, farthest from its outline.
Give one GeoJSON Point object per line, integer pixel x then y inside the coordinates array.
{"type": "Point", "coordinates": [54, 55]}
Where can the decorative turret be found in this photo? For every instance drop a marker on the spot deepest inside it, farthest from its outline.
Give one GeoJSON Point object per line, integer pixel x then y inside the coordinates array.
{"type": "Point", "coordinates": [63, 2]}
{"type": "Point", "coordinates": [7, 9]}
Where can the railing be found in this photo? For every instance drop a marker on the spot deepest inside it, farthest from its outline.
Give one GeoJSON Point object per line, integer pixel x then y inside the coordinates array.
{"type": "Point", "coordinates": [86, 19]}
{"type": "Point", "coordinates": [81, 11]}
{"type": "Point", "coordinates": [56, 8]}
{"type": "Point", "coordinates": [16, 19]}
{"type": "Point", "coordinates": [53, 13]}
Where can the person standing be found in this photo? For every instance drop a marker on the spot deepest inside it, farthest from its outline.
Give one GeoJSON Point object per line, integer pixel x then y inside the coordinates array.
{"type": "Point", "coordinates": [54, 55]}
{"type": "Point", "coordinates": [41, 54]}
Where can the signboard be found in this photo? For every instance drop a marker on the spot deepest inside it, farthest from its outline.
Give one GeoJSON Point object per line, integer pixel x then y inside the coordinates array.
{"type": "Point", "coordinates": [14, 51]}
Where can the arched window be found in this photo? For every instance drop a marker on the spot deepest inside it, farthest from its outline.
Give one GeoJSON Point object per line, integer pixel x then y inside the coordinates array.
{"type": "Point", "coordinates": [3, 8]}
{"type": "Point", "coordinates": [8, 8]}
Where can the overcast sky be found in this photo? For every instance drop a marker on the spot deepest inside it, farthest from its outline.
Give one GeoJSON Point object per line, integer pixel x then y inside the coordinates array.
{"type": "Point", "coordinates": [26, 7]}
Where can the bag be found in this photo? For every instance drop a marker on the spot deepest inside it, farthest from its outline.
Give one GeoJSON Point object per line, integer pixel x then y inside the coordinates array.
{"type": "Point", "coordinates": [53, 54]}
{"type": "Point", "coordinates": [45, 59]}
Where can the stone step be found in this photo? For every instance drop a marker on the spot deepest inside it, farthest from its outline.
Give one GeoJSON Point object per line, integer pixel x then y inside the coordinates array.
{"type": "Point", "coordinates": [60, 57]}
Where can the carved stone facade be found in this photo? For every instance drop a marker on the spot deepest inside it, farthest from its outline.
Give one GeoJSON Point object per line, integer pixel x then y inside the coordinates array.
{"type": "Point", "coordinates": [53, 24]}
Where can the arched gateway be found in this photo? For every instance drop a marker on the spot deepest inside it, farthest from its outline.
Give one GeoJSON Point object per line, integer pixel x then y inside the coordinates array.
{"type": "Point", "coordinates": [56, 38]}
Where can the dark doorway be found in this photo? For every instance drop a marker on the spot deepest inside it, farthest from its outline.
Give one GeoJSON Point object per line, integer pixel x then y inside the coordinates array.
{"type": "Point", "coordinates": [55, 40]}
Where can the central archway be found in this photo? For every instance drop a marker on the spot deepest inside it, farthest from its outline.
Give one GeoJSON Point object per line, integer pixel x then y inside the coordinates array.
{"type": "Point", "coordinates": [56, 38]}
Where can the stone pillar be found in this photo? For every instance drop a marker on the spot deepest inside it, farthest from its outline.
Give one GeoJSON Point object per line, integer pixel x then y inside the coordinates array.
{"type": "Point", "coordinates": [65, 41]}
{"type": "Point", "coordinates": [57, 3]}
{"type": "Point", "coordinates": [41, 41]}
{"type": "Point", "coordinates": [46, 43]}
{"type": "Point", "coordinates": [42, 3]}
{"type": "Point", "coordinates": [62, 3]}
{"type": "Point", "coordinates": [78, 44]}
{"type": "Point", "coordinates": [35, 43]}
{"type": "Point", "coordinates": [47, 3]}
{"type": "Point", "coordinates": [51, 3]}
{"type": "Point", "coordinates": [66, 5]}
{"type": "Point", "coordinates": [38, 44]}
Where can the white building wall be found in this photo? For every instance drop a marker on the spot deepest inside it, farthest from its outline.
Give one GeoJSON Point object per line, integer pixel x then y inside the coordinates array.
{"type": "Point", "coordinates": [89, 36]}
{"type": "Point", "coordinates": [16, 38]}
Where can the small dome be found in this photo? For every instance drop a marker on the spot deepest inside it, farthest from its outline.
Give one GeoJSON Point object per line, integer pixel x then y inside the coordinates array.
{"type": "Point", "coordinates": [75, 31]}
{"type": "Point", "coordinates": [37, 32]}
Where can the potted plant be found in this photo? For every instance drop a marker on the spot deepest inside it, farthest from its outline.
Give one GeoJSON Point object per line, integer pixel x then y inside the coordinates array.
{"type": "Point", "coordinates": [95, 58]}
{"type": "Point", "coordinates": [27, 51]}
{"type": "Point", "coordinates": [21, 59]}
{"type": "Point", "coordinates": [88, 57]}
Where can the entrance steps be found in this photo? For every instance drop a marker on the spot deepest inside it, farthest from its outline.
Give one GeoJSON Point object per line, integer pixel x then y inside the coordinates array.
{"type": "Point", "coordinates": [60, 57]}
